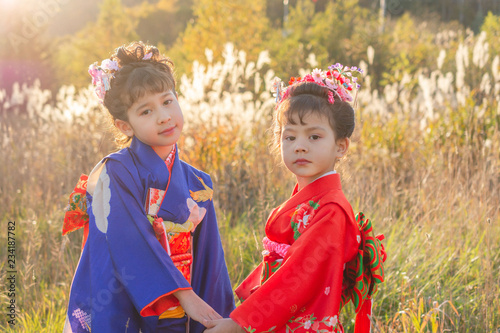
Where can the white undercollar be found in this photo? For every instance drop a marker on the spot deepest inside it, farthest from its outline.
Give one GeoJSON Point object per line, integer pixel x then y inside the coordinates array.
{"type": "Point", "coordinates": [326, 174]}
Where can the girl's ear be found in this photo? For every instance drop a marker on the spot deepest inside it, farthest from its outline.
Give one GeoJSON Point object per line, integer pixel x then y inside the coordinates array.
{"type": "Point", "coordinates": [124, 127]}
{"type": "Point", "coordinates": [343, 146]}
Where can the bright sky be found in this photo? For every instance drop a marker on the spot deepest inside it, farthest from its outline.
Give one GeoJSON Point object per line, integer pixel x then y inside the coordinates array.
{"type": "Point", "coordinates": [8, 3]}
{"type": "Point", "coordinates": [57, 17]}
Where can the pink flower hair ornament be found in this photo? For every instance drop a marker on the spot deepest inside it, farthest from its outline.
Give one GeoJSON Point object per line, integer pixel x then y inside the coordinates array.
{"type": "Point", "coordinates": [339, 80]}
{"type": "Point", "coordinates": [102, 75]}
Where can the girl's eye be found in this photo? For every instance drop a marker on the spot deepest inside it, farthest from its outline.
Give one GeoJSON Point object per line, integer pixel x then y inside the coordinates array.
{"type": "Point", "coordinates": [167, 102]}
{"type": "Point", "coordinates": [289, 138]}
{"type": "Point", "coordinates": [314, 137]}
{"type": "Point", "coordinates": [146, 112]}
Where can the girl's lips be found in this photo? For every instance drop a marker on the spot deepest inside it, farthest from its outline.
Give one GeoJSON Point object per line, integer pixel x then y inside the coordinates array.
{"type": "Point", "coordinates": [302, 161]}
{"type": "Point", "coordinates": [167, 131]}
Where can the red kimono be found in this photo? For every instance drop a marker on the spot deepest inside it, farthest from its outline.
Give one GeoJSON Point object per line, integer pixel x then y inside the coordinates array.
{"type": "Point", "coordinates": [310, 238]}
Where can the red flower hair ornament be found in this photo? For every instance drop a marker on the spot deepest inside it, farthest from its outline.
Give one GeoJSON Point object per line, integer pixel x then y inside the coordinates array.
{"type": "Point", "coordinates": [337, 79]}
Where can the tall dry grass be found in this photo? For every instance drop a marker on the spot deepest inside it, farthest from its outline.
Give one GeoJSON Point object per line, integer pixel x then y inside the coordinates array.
{"type": "Point", "coordinates": [424, 165]}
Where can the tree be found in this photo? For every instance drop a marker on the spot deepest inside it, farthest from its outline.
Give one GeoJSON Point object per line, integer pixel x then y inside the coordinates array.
{"type": "Point", "coordinates": [162, 22]}
{"type": "Point", "coordinates": [94, 43]}
{"type": "Point", "coordinates": [241, 22]}
{"type": "Point", "coordinates": [491, 26]}
{"type": "Point", "coordinates": [338, 32]}
{"type": "Point", "coordinates": [291, 46]}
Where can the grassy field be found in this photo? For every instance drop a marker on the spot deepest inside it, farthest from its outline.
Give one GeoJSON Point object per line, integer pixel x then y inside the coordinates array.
{"type": "Point", "coordinates": [424, 165]}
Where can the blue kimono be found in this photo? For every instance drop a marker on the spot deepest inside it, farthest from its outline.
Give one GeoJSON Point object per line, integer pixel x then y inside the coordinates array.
{"type": "Point", "coordinates": [125, 278]}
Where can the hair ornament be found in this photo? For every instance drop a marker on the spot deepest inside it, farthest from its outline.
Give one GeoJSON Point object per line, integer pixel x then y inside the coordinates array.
{"type": "Point", "coordinates": [102, 75]}
{"type": "Point", "coordinates": [277, 88]}
{"type": "Point", "coordinates": [110, 65]}
{"type": "Point", "coordinates": [338, 79]}
{"type": "Point", "coordinates": [147, 56]}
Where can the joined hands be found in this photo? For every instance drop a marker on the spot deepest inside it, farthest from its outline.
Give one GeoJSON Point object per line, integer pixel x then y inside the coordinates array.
{"type": "Point", "coordinates": [226, 325]}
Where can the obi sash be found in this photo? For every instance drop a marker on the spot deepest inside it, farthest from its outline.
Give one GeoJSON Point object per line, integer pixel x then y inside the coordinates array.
{"type": "Point", "coordinates": [175, 238]}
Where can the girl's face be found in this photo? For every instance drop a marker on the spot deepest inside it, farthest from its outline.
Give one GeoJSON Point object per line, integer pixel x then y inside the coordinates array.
{"type": "Point", "coordinates": [156, 120]}
{"type": "Point", "coordinates": [310, 150]}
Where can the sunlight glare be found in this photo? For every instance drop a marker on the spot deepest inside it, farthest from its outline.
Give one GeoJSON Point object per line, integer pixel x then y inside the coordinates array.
{"type": "Point", "coordinates": [8, 4]}
{"type": "Point", "coordinates": [9, 7]}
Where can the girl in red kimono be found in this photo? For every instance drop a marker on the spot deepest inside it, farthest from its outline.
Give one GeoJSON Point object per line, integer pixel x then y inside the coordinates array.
{"type": "Point", "coordinates": [313, 258]}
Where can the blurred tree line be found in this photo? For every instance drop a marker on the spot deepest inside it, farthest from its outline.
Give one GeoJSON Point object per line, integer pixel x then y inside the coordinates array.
{"type": "Point", "coordinates": [401, 35]}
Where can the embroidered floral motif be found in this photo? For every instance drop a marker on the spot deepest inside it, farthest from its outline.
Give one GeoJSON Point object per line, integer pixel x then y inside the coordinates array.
{"type": "Point", "coordinates": [333, 321]}
{"type": "Point", "coordinates": [301, 217]}
{"type": "Point", "coordinates": [327, 291]}
{"type": "Point", "coordinates": [250, 329]}
{"type": "Point", "coordinates": [327, 324]}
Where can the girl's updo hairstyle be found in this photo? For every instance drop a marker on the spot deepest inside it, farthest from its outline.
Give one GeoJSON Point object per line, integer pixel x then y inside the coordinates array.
{"type": "Point", "coordinates": [137, 76]}
{"type": "Point", "coordinates": [304, 98]}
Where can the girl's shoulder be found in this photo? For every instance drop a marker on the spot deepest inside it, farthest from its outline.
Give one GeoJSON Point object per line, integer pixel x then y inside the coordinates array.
{"type": "Point", "coordinates": [123, 160]}
{"type": "Point", "coordinates": [123, 155]}
{"type": "Point", "coordinates": [336, 197]}
{"type": "Point", "coordinates": [120, 160]}
{"type": "Point", "coordinates": [335, 200]}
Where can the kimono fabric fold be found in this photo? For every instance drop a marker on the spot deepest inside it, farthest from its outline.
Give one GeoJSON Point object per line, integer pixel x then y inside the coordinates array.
{"type": "Point", "coordinates": [301, 292]}
{"type": "Point", "coordinates": [125, 278]}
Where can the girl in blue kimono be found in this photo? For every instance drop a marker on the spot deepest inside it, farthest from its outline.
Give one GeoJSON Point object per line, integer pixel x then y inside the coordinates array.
{"type": "Point", "coordinates": [152, 258]}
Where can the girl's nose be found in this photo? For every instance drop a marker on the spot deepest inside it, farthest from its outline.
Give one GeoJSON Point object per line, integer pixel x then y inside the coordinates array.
{"type": "Point", "coordinates": [164, 116]}
{"type": "Point", "coordinates": [300, 147]}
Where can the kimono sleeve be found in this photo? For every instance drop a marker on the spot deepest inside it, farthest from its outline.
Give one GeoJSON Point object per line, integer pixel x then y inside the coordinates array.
{"type": "Point", "coordinates": [314, 260]}
{"type": "Point", "coordinates": [142, 265]}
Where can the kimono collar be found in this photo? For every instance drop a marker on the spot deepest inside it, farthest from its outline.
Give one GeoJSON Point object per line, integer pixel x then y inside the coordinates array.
{"type": "Point", "coordinates": [327, 182]}
{"type": "Point", "coordinates": [150, 159]}
{"type": "Point", "coordinates": [330, 182]}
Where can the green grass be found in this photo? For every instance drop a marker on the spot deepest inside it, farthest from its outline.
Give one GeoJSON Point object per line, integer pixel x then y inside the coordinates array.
{"type": "Point", "coordinates": [434, 192]}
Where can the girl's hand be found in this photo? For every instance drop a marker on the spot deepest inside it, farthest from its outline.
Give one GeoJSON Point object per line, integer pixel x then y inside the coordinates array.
{"type": "Point", "coordinates": [226, 325]}
{"type": "Point", "coordinates": [195, 307]}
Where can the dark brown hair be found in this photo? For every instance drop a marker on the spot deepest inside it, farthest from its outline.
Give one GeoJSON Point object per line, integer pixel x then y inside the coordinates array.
{"type": "Point", "coordinates": [135, 78]}
{"type": "Point", "coordinates": [308, 97]}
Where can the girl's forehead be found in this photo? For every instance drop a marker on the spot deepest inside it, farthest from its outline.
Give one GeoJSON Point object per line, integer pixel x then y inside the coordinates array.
{"type": "Point", "coordinates": [150, 94]}
{"type": "Point", "coordinates": [149, 97]}
{"type": "Point", "coordinates": [305, 119]}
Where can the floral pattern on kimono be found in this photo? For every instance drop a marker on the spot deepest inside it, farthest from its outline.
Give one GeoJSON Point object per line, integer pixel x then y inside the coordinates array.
{"type": "Point", "coordinates": [304, 293]}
